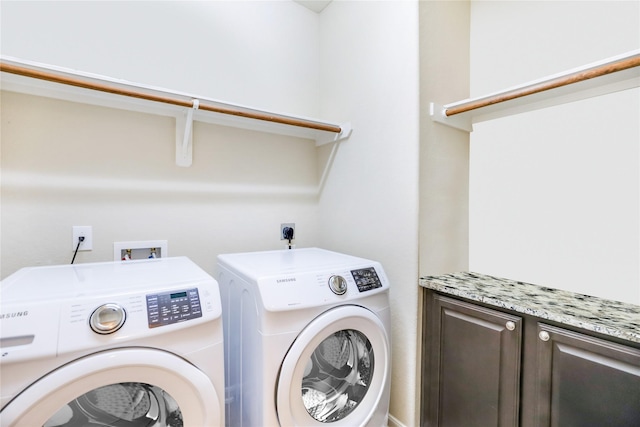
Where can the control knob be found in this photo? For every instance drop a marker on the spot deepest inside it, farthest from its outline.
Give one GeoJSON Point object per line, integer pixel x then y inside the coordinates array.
{"type": "Point", "coordinates": [338, 285]}
{"type": "Point", "coordinates": [107, 318]}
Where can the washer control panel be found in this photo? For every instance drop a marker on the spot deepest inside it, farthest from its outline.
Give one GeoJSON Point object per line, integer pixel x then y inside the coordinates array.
{"type": "Point", "coordinates": [296, 290]}
{"type": "Point", "coordinates": [172, 307]}
{"type": "Point", "coordinates": [366, 279]}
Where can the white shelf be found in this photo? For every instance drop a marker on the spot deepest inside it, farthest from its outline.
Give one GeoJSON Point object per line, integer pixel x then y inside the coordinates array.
{"type": "Point", "coordinates": [55, 82]}
{"type": "Point", "coordinates": [614, 74]}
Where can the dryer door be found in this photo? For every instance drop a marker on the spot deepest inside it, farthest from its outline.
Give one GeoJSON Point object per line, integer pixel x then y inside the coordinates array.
{"type": "Point", "coordinates": [127, 387]}
{"type": "Point", "coordinates": [336, 371]}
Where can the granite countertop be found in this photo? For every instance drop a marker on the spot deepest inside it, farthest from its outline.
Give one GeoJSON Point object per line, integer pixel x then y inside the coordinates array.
{"type": "Point", "coordinates": [617, 319]}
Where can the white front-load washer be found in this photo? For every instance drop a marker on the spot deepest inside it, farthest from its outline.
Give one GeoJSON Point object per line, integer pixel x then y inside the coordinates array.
{"type": "Point", "coordinates": [136, 343]}
{"type": "Point", "coordinates": [307, 334]}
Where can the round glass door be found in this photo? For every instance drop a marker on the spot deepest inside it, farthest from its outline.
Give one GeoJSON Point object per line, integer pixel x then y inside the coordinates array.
{"type": "Point", "coordinates": [337, 375]}
{"type": "Point", "coordinates": [336, 371]}
{"type": "Point", "coordinates": [122, 404]}
{"type": "Point", "coordinates": [121, 388]}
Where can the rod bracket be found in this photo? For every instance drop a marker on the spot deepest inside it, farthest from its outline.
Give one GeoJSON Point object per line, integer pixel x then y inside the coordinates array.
{"type": "Point", "coordinates": [184, 136]}
{"type": "Point", "coordinates": [345, 132]}
{"type": "Point", "coordinates": [437, 113]}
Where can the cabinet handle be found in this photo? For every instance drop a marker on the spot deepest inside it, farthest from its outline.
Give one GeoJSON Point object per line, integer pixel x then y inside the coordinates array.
{"type": "Point", "coordinates": [544, 335]}
{"type": "Point", "coordinates": [510, 325]}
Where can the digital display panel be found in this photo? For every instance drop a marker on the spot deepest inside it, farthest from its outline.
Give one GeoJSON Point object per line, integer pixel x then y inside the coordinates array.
{"type": "Point", "coordinates": [366, 279]}
{"type": "Point", "coordinates": [173, 307]}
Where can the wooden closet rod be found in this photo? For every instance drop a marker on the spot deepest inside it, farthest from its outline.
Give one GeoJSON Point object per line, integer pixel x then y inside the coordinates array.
{"type": "Point", "coordinates": [203, 105]}
{"type": "Point", "coordinates": [576, 77]}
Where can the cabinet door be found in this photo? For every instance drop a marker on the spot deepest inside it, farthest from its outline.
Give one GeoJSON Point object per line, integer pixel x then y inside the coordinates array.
{"type": "Point", "coordinates": [474, 366]}
{"type": "Point", "coordinates": [582, 381]}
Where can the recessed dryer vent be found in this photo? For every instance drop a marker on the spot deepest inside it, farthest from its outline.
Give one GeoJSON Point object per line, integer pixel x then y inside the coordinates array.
{"type": "Point", "coordinates": [125, 251]}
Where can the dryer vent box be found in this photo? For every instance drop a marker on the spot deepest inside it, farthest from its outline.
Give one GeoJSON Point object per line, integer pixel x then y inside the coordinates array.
{"type": "Point", "coordinates": [124, 251]}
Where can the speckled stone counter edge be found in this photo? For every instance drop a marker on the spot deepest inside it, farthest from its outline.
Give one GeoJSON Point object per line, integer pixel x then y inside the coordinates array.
{"type": "Point", "coordinates": [617, 319]}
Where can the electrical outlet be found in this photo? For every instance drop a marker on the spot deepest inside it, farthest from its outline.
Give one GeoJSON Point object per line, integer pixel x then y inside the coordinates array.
{"type": "Point", "coordinates": [288, 227]}
{"type": "Point", "coordinates": [86, 232]}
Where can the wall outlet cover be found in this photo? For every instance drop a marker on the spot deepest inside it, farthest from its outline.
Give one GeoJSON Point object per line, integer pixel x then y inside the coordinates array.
{"type": "Point", "coordinates": [85, 231]}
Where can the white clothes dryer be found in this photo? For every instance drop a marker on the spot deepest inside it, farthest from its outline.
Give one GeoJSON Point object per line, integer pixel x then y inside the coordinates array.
{"type": "Point", "coordinates": [136, 343]}
{"type": "Point", "coordinates": [307, 335]}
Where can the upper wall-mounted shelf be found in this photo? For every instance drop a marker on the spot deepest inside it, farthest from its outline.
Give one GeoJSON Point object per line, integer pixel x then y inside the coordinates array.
{"type": "Point", "coordinates": [610, 75]}
{"type": "Point", "coordinates": [61, 83]}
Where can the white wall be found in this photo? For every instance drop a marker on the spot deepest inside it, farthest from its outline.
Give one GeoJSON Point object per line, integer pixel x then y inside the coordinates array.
{"type": "Point", "coordinates": [66, 164]}
{"type": "Point", "coordinates": [369, 207]}
{"type": "Point", "coordinates": [555, 193]}
{"type": "Point", "coordinates": [260, 53]}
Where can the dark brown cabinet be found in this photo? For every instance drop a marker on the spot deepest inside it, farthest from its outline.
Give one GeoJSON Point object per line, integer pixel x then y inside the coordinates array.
{"type": "Point", "coordinates": [582, 381]}
{"type": "Point", "coordinates": [485, 367]}
{"type": "Point", "coordinates": [474, 365]}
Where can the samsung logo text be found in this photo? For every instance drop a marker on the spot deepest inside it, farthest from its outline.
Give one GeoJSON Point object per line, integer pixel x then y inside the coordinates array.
{"type": "Point", "coordinates": [14, 314]}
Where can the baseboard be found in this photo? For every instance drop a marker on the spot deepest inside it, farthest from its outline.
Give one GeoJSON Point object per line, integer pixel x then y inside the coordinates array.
{"type": "Point", "coordinates": [394, 422]}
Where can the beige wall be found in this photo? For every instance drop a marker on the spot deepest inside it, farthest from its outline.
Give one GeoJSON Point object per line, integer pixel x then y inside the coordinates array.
{"type": "Point", "coordinates": [444, 151]}
{"type": "Point", "coordinates": [66, 164]}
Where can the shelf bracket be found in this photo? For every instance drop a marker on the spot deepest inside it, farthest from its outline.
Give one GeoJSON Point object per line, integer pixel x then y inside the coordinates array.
{"type": "Point", "coordinates": [184, 136]}
{"type": "Point", "coordinates": [462, 122]}
{"type": "Point", "coordinates": [345, 132]}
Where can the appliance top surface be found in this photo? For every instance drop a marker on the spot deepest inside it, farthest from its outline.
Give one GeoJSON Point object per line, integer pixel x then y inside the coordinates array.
{"type": "Point", "coordinates": [269, 263]}
{"type": "Point", "coordinates": [298, 279]}
{"type": "Point", "coordinates": [91, 279]}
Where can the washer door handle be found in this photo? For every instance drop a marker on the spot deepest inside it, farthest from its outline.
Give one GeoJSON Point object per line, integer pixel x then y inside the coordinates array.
{"type": "Point", "coordinates": [338, 285]}
{"type": "Point", "coordinates": [107, 318]}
